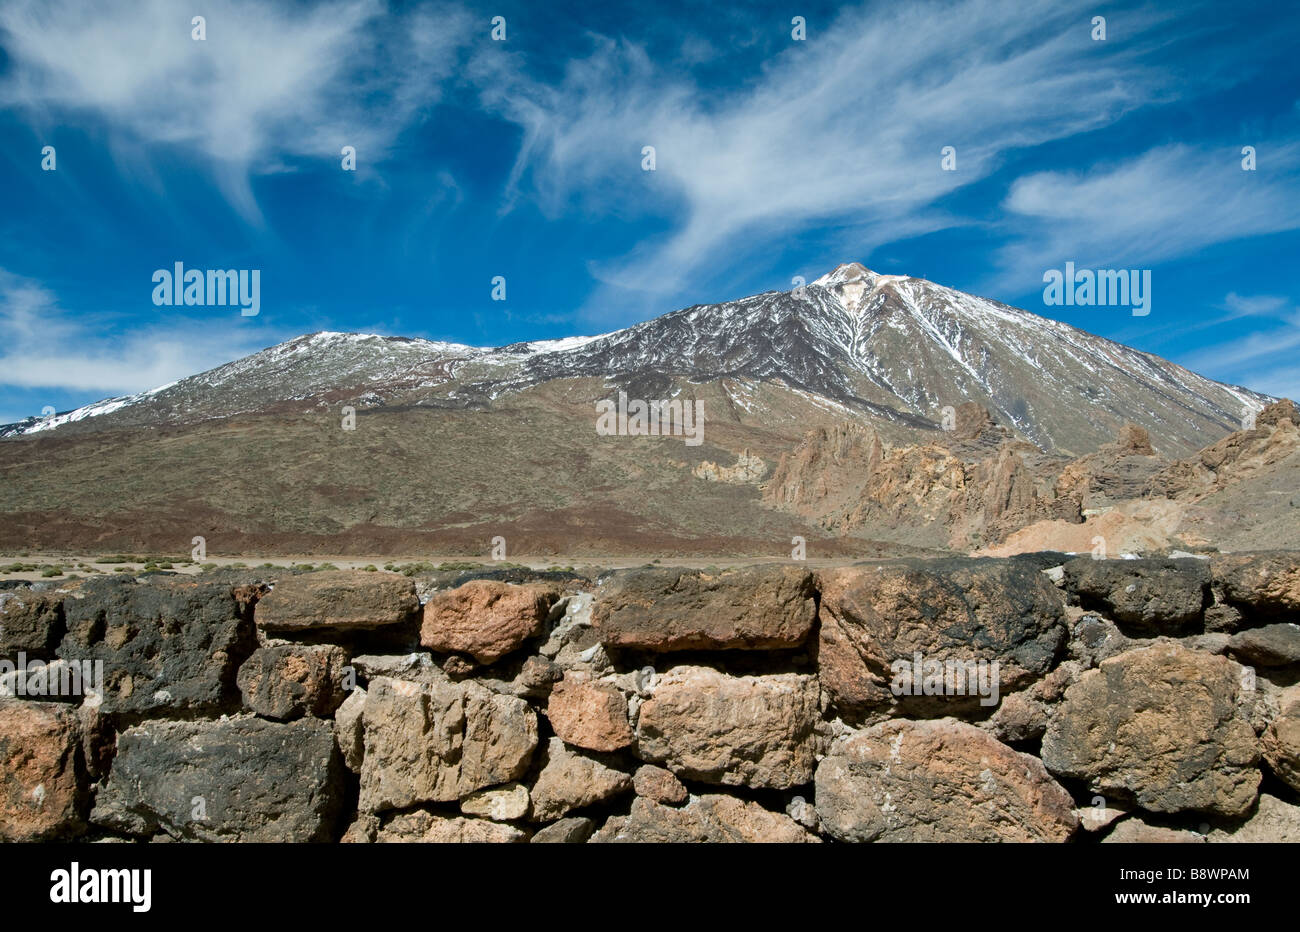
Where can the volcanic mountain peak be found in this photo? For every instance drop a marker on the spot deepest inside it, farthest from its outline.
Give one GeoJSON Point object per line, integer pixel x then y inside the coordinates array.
{"type": "Point", "coordinates": [889, 349]}
{"type": "Point", "coordinates": [844, 273]}
{"type": "Point", "coordinates": [853, 284]}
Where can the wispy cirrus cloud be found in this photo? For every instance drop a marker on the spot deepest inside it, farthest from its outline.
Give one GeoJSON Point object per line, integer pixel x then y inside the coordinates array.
{"type": "Point", "coordinates": [1263, 358]}
{"type": "Point", "coordinates": [1167, 202]}
{"type": "Point", "coordinates": [43, 346]}
{"type": "Point", "coordinates": [269, 82]}
{"type": "Point", "coordinates": [1268, 305]}
{"type": "Point", "coordinates": [844, 132]}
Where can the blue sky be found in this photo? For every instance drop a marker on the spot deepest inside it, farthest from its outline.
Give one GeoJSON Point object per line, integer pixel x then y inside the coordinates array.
{"type": "Point", "coordinates": [522, 158]}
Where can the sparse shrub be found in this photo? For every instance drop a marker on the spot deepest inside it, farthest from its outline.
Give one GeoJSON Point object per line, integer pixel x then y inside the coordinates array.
{"type": "Point", "coordinates": [411, 569]}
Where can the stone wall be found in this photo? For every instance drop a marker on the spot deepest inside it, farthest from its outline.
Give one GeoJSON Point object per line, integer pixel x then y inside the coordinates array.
{"type": "Point", "coordinates": [1040, 698]}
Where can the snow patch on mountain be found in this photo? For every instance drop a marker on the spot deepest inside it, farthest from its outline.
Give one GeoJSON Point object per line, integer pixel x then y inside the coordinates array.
{"type": "Point", "coordinates": [872, 346]}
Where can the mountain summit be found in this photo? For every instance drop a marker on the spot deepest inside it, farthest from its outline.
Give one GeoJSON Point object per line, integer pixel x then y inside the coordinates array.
{"type": "Point", "coordinates": [359, 443]}
{"type": "Point", "coordinates": [853, 284]}
{"type": "Point", "coordinates": [889, 348]}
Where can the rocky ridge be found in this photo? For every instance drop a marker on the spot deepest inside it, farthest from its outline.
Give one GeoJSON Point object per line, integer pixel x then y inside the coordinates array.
{"type": "Point", "coordinates": [890, 349]}
{"type": "Point", "coordinates": [982, 488]}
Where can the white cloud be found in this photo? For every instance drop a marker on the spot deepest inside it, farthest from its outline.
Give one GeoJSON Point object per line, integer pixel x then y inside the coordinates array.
{"type": "Point", "coordinates": [1280, 382]}
{"type": "Point", "coordinates": [1253, 305]}
{"type": "Point", "coordinates": [1263, 359]}
{"type": "Point", "coordinates": [1167, 202]}
{"type": "Point", "coordinates": [843, 131]}
{"type": "Point", "coordinates": [45, 347]}
{"type": "Point", "coordinates": [270, 80]}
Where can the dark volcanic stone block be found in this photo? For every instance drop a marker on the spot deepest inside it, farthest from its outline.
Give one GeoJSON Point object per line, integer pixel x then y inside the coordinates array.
{"type": "Point", "coordinates": [1155, 596]}
{"type": "Point", "coordinates": [233, 779]}
{"type": "Point", "coordinates": [337, 600]}
{"type": "Point", "coordinates": [763, 607]}
{"type": "Point", "coordinates": [30, 622]}
{"type": "Point", "coordinates": [167, 645]}
{"type": "Point", "coordinates": [959, 611]}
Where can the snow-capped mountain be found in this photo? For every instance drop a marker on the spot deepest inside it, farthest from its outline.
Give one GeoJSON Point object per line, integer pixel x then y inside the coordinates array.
{"type": "Point", "coordinates": [889, 348]}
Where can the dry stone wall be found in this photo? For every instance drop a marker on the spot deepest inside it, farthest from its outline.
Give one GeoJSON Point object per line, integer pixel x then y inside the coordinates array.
{"type": "Point", "coordinates": [1041, 698]}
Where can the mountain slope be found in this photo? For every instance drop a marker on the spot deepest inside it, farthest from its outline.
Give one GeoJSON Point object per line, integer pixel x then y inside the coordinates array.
{"type": "Point", "coordinates": [886, 347]}
{"type": "Point", "coordinates": [455, 444]}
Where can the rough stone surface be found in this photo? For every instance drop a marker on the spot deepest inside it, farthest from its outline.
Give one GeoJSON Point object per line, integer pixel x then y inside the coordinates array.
{"type": "Point", "coordinates": [431, 828]}
{"type": "Point", "coordinates": [362, 830]}
{"type": "Point", "coordinates": [440, 742]}
{"type": "Point", "coordinates": [254, 780]}
{"type": "Point", "coordinates": [213, 729]}
{"type": "Point", "coordinates": [292, 680]}
{"type": "Point", "coordinates": [1163, 725]}
{"type": "Point", "coordinates": [349, 732]}
{"type": "Point", "coordinates": [1283, 409]}
{"type": "Point", "coordinates": [1271, 646]}
{"type": "Point", "coordinates": [170, 644]}
{"type": "Point", "coordinates": [1135, 831]}
{"type": "Point", "coordinates": [485, 618]}
{"type": "Point", "coordinates": [1273, 821]}
{"type": "Point", "coordinates": [1096, 818]}
{"type": "Point", "coordinates": [498, 803]}
{"type": "Point", "coordinates": [31, 622]}
{"type": "Point", "coordinates": [757, 731]}
{"type": "Point", "coordinates": [1152, 596]}
{"type": "Point", "coordinates": [1094, 638]}
{"type": "Point", "coordinates": [52, 681]}
{"type": "Point", "coordinates": [537, 675]}
{"type": "Point", "coordinates": [1022, 717]}
{"type": "Point", "coordinates": [41, 771]}
{"type": "Point", "coordinates": [659, 784]}
{"type": "Point", "coordinates": [418, 667]}
{"type": "Point", "coordinates": [764, 607]}
{"type": "Point", "coordinates": [337, 600]}
{"type": "Point", "coordinates": [569, 781]}
{"type": "Point", "coordinates": [1260, 584]}
{"type": "Point", "coordinates": [705, 819]}
{"type": "Point", "coordinates": [956, 609]}
{"type": "Point", "coordinates": [574, 638]}
{"type": "Point", "coordinates": [804, 812]}
{"type": "Point", "coordinates": [589, 714]}
{"type": "Point", "coordinates": [938, 780]}
{"type": "Point", "coordinates": [1222, 617]}
{"type": "Point", "coordinates": [572, 831]}
{"type": "Point", "coordinates": [1280, 742]}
